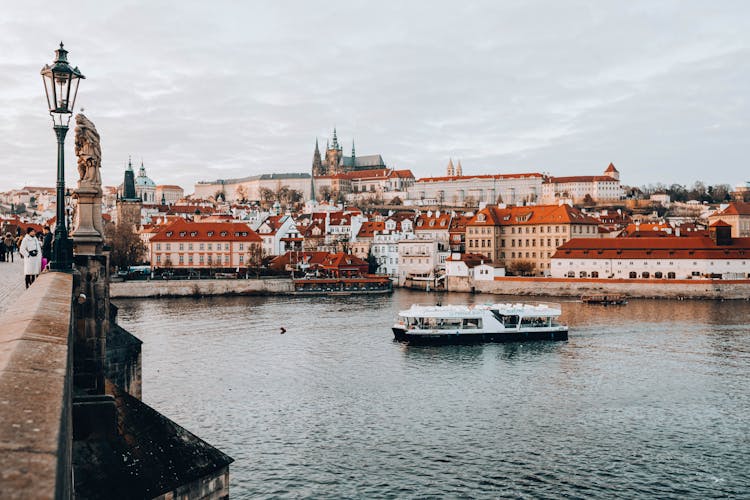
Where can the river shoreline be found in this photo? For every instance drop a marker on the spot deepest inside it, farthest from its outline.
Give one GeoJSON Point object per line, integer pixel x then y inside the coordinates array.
{"type": "Point", "coordinates": [679, 290]}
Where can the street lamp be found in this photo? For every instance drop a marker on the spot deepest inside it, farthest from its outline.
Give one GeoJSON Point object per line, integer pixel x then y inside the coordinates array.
{"type": "Point", "coordinates": [61, 86]}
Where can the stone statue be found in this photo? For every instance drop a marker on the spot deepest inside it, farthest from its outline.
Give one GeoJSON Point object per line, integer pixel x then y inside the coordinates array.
{"type": "Point", "coordinates": [89, 152]}
{"type": "Point", "coordinates": [87, 221]}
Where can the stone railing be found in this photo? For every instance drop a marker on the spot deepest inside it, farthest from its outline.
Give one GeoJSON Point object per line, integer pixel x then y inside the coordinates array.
{"type": "Point", "coordinates": [35, 391]}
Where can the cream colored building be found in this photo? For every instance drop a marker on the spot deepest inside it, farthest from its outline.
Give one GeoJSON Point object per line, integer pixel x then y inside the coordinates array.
{"type": "Point", "coordinates": [529, 235]}
{"type": "Point", "coordinates": [249, 188]}
{"type": "Point", "coordinates": [737, 215]}
{"type": "Point", "coordinates": [581, 188]}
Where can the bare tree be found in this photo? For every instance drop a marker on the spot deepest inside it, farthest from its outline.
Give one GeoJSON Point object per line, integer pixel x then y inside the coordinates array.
{"type": "Point", "coordinates": [266, 196]}
{"type": "Point", "coordinates": [126, 247]}
{"type": "Point", "coordinates": [522, 268]}
{"type": "Point", "coordinates": [241, 193]}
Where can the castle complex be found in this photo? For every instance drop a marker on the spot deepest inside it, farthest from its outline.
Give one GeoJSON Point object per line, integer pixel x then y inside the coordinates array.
{"type": "Point", "coordinates": [336, 163]}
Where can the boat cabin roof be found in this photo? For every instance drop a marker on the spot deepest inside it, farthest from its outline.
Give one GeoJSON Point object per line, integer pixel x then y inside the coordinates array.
{"type": "Point", "coordinates": [476, 311]}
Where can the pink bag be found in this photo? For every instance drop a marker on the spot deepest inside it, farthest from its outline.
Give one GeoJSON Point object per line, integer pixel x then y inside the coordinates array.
{"type": "Point", "coordinates": [44, 263]}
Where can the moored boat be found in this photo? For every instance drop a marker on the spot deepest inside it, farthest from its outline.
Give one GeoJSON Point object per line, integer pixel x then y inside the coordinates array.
{"type": "Point", "coordinates": [458, 324]}
{"type": "Point", "coordinates": [361, 285]}
{"type": "Point", "coordinates": [604, 299]}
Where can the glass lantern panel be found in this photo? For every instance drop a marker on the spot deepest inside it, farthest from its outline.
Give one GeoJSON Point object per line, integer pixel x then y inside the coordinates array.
{"type": "Point", "coordinates": [50, 91]}
{"type": "Point", "coordinates": [62, 82]}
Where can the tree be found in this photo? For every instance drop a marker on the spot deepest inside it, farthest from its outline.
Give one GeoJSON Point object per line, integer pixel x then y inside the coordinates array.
{"type": "Point", "coordinates": [324, 193]}
{"type": "Point", "coordinates": [126, 247]}
{"type": "Point", "coordinates": [470, 202]}
{"type": "Point", "coordinates": [588, 200]}
{"type": "Point", "coordinates": [255, 257]}
{"type": "Point", "coordinates": [396, 201]}
{"type": "Point", "coordinates": [372, 263]}
{"type": "Point", "coordinates": [241, 193]}
{"type": "Point", "coordinates": [522, 268]}
{"type": "Point", "coordinates": [266, 196]}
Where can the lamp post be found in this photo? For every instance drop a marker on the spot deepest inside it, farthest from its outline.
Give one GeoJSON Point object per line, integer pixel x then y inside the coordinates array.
{"type": "Point", "coordinates": [61, 87]}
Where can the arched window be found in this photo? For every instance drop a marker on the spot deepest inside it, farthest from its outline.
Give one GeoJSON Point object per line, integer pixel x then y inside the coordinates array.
{"type": "Point", "coordinates": [633, 274]}
{"type": "Point", "coordinates": [671, 275]}
{"type": "Point", "coordinates": [645, 275]}
{"type": "Point", "coordinates": [658, 275]}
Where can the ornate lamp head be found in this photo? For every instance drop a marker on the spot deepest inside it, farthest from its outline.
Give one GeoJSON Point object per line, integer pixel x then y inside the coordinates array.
{"type": "Point", "coordinates": [61, 86]}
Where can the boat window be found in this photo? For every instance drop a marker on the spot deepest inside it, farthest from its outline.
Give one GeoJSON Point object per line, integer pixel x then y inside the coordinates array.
{"type": "Point", "coordinates": [472, 323]}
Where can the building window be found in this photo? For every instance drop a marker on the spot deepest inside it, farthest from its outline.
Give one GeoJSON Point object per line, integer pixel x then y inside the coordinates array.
{"type": "Point", "coordinates": [658, 274]}
{"type": "Point", "coordinates": [190, 246]}
{"type": "Point", "coordinates": [582, 274]}
{"type": "Point", "coordinates": [158, 246]}
{"type": "Point", "coordinates": [168, 246]}
{"type": "Point", "coordinates": [158, 259]}
{"type": "Point", "coordinates": [182, 259]}
{"type": "Point", "coordinates": [242, 246]}
{"type": "Point", "coordinates": [594, 274]}
{"type": "Point", "coordinates": [182, 246]}
{"type": "Point", "coordinates": [645, 275]}
{"type": "Point", "coordinates": [201, 246]}
{"type": "Point", "coordinates": [210, 246]}
{"type": "Point", "coordinates": [671, 275]}
{"type": "Point", "coordinates": [633, 274]}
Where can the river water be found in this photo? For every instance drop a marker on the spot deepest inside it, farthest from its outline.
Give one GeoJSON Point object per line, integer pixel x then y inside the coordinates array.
{"type": "Point", "coordinates": [647, 400]}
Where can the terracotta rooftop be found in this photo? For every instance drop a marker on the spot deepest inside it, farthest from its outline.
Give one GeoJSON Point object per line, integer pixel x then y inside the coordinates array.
{"type": "Point", "coordinates": [182, 230]}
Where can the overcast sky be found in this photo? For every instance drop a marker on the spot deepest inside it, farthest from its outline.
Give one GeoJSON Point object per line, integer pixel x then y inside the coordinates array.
{"type": "Point", "coordinates": [206, 90]}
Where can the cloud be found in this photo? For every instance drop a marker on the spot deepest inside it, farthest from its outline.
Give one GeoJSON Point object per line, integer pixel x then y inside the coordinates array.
{"type": "Point", "coordinates": [225, 90]}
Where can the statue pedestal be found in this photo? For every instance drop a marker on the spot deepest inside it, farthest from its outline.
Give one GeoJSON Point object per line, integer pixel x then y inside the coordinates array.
{"type": "Point", "coordinates": [88, 233]}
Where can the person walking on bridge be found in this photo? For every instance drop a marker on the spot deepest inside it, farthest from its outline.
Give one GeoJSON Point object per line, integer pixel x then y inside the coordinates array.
{"type": "Point", "coordinates": [31, 251]}
{"type": "Point", "coordinates": [10, 247]}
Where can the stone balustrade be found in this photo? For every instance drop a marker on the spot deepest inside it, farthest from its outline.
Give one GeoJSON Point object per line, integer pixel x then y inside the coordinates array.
{"type": "Point", "coordinates": [35, 391]}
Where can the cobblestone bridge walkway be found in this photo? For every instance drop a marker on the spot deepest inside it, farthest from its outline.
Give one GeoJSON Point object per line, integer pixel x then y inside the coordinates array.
{"type": "Point", "coordinates": [11, 282]}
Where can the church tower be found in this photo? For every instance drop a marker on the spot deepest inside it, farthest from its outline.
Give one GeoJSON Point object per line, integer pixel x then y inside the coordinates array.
{"type": "Point", "coordinates": [317, 164]}
{"type": "Point", "coordinates": [129, 203]}
{"type": "Point", "coordinates": [449, 171]}
{"type": "Point", "coordinates": [459, 169]}
{"type": "Point", "coordinates": [334, 153]}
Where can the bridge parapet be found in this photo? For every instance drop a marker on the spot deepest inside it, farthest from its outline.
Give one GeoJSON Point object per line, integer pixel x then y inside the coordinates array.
{"type": "Point", "coordinates": [35, 391]}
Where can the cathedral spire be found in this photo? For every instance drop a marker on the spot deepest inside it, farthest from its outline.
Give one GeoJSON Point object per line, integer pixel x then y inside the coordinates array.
{"type": "Point", "coordinates": [335, 140]}
{"type": "Point", "coordinates": [459, 169]}
{"type": "Point", "coordinates": [130, 164]}
{"type": "Point", "coordinates": [353, 154]}
{"type": "Point", "coordinates": [317, 164]}
{"type": "Point", "coordinates": [449, 171]}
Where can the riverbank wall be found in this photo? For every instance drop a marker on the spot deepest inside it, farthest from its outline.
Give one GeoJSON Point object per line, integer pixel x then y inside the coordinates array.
{"type": "Point", "coordinates": [199, 288]}
{"type": "Point", "coordinates": [551, 287]}
{"type": "Point", "coordinates": [635, 288]}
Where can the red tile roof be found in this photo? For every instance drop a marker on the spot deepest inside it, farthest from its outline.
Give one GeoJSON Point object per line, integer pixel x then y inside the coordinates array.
{"type": "Point", "coordinates": [432, 222]}
{"type": "Point", "coordinates": [611, 168]}
{"type": "Point", "coordinates": [539, 214]}
{"type": "Point", "coordinates": [368, 229]}
{"type": "Point", "coordinates": [480, 176]}
{"type": "Point", "coordinates": [689, 247]}
{"type": "Point", "coordinates": [720, 223]}
{"type": "Point", "coordinates": [182, 230]}
{"type": "Point", "coordinates": [736, 208]}
{"type": "Point", "coordinates": [580, 178]}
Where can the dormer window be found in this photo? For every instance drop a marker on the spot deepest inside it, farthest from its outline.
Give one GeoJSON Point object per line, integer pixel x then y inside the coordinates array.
{"type": "Point", "coordinates": [169, 234]}
{"type": "Point", "coordinates": [432, 223]}
{"type": "Point", "coordinates": [193, 233]}
{"type": "Point", "coordinates": [480, 217]}
{"type": "Point", "coordinates": [223, 233]}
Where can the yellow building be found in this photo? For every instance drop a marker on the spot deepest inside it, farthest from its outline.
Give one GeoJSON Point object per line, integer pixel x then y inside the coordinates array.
{"type": "Point", "coordinates": [524, 238]}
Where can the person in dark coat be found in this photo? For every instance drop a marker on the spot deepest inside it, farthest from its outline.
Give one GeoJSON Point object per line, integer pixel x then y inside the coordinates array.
{"type": "Point", "coordinates": [46, 247]}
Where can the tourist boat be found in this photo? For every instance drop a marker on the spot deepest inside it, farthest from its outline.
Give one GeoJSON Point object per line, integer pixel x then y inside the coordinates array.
{"type": "Point", "coordinates": [458, 324]}
{"type": "Point", "coordinates": [602, 299]}
{"type": "Point", "coordinates": [363, 285]}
